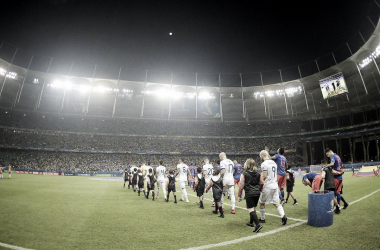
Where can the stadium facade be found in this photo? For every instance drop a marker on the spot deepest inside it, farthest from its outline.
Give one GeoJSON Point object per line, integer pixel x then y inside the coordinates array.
{"type": "Point", "coordinates": [34, 83]}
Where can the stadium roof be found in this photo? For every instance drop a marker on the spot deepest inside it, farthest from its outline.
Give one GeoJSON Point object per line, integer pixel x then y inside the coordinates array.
{"type": "Point", "coordinates": [291, 93]}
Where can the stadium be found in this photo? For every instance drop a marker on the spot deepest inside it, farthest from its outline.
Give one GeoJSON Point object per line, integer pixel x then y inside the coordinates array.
{"type": "Point", "coordinates": [69, 131]}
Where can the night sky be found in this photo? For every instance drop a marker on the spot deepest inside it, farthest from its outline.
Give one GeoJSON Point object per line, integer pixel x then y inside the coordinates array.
{"type": "Point", "coordinates": [208, 36]}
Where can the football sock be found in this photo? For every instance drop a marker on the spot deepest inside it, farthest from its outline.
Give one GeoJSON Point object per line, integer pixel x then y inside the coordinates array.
{"type": "Point", "coordinates": [158, 191]}
{"type": "Point", "coordinates": [139, 192]}
{"type": "Point", "coordinates": [341, 197]}
{"type": "Point", "coordinates": [280, 209]}
{"type": "Point", "coordinates": [233, 201]}
{"type": "Point", "coordinates": [144, 192]}
{"type": "Point", "coordinates": [338, 198]}
{"type": "Point", "coordinates": [175, 198]}
{"type": "Point", "coordinates": [216, 207]}
{"type": "Point", "coordinates": [153, 195]}
{"type": "Point", "coordinates": [262, 213]}
{"type": "Point", "coordinates": [254, 218]}
{"type": "Point", "coordinates": [221, 211]}
{"type": "Point", "coordinates": [280, 195]}
{"type": "Point", "coordinates": [283, 194]}
{"type": "Point", "coordinates": [201, 203]}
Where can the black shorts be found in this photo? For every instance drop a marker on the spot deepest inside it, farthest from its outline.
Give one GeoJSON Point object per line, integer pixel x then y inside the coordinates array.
{"type": "Point", "coordinates": [171, 190]}
{"type": "Point", "coordinates": [141, 185]}
{"type": "Point", "coordinates": [151, 188]}
{"type": "Point", "coordinates": [200, 193]}
{"type": "Point", "coordinates": [331, 189]}
{"type": "Point", "coordinates": [252, 201]}
{"type": "Point", "coordinates": [217, 196]}
{"type": "Point", "coordinates": [289, 189]}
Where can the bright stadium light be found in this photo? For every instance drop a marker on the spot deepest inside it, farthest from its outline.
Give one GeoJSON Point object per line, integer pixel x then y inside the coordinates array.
{"type": "Point", "coordinates": [279, 92]}
{"type": "Point", "coordinates": [9, 74]}
{"type": "Point", "coordinates": [206, 95]}
{"type": "Point", "coordinates": [12, 75]}
{"type": "Point", "coordinates": [370, 58]}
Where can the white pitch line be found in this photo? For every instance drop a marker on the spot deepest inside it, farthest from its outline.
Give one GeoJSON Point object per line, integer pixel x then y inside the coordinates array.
{"type": "Point", "coordinates": [353, 202]}
{"type": "Point", "coordinates": [13, 247]}
{"type": "Point", "coordinates": [224, 243]}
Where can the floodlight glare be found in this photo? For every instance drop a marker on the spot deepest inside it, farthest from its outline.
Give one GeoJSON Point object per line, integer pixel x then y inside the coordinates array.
{"type": "Point", "coordinates": [370, 58]}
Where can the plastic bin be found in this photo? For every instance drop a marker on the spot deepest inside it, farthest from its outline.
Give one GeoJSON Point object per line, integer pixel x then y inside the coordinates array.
{"type": "Point", "coordinates": [321, 208]}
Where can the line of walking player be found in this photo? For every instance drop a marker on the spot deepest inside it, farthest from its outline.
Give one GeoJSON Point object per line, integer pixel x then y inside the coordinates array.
{"type": "Point", "coordinates": [259, 188]}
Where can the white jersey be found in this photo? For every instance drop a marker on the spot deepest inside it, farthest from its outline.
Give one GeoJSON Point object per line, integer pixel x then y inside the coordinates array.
{"type": "Point", "coordinates": [160, 170]}
{"type": "Point", "coordinates": [271, 167]}
{"type": "Point", "coordinates": [147, 170]}
{"type": "Point", "coordinates": [228, 165]}
{"type": "Point", "coordinates": [182, 170]}
{"type": "Point", "coordinates": [208, 168]}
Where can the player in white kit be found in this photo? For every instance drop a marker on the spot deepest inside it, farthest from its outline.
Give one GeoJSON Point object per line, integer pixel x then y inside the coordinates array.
{"type": "Point", "coordinates": [227, 168]}
{"type": "Point", "coordinates": [183, 172]}
{"type": "Point", "coordinates": [160, 175]}
{"type": "Point", "coordinates": [207, 173]}
{"type": "Point", "coordinates": [269, 193]}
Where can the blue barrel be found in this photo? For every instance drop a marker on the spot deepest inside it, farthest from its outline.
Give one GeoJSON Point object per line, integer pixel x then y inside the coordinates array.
{"type": "Point", "coordinates": [321, 208]}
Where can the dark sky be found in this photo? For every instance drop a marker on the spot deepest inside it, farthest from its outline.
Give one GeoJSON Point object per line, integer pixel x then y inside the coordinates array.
{"type": "Point", "coordinates": [208, 36]}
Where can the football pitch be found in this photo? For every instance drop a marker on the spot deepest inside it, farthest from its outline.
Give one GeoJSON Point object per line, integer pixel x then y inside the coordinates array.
{"type": "Point", "coordinates": [72, 212]}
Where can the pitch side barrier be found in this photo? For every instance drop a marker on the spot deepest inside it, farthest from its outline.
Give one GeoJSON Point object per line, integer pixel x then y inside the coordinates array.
{"type": "Point", "coordinates": [67, 173]}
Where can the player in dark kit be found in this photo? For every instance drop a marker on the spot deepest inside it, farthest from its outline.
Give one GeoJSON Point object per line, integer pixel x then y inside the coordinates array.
{"type": "Point", "coordinates": [134, 179]}
{"type": "Point", "coordinates": [251, 182]}
{"type": "Point", "coordinates": [328, 176]}
{"type": "Point", "coordinates": [126, 176]}
{"type": "Point", "coordinates": [170, 186]}
{"type": "Point", "coordinates": [140, 182]}
{"type": "Point", "coordinates": [150, 182]}
{"type": "Point", "coordinates": [290, 185]}
{"type": "Point", "coordinates": [199, 186]}
{"type": "Point", "coordinates": [216, 183]}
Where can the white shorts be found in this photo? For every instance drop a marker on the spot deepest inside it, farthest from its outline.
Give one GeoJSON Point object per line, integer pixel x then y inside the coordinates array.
{"type": "Point", "coordinates": [229, 181]}
{"type": "Point", "coordinates": [269, 196]}
{"type": "Point", "coordinates": [161, 183]}
{"type": "Point", "coordinates": [230, 189]}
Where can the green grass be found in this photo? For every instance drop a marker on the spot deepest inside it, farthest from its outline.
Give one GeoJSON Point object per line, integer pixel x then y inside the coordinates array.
{"type": "Point", "coordinates": [65, 212]}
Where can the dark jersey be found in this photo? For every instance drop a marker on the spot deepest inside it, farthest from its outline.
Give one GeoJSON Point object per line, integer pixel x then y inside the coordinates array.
{"type": "Point", "coordinates": [151, 180]}
{"type": "Point", "coordinates": [171, 182]}
{"type": "Point", "coordinates": [217, 188]}
{"type": "Point", "coordinates": [251, 183]}
{"type": "Point", "coordinates": [134, 178]}
{"type": "Point", "coordinates": [201, 184]}
{"type": "Point", "coordinates": [329, 179]}
{"type": "Point", "coordinates": [141, 181]}
{"type": "Point", "coordinates": [290, 181]}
